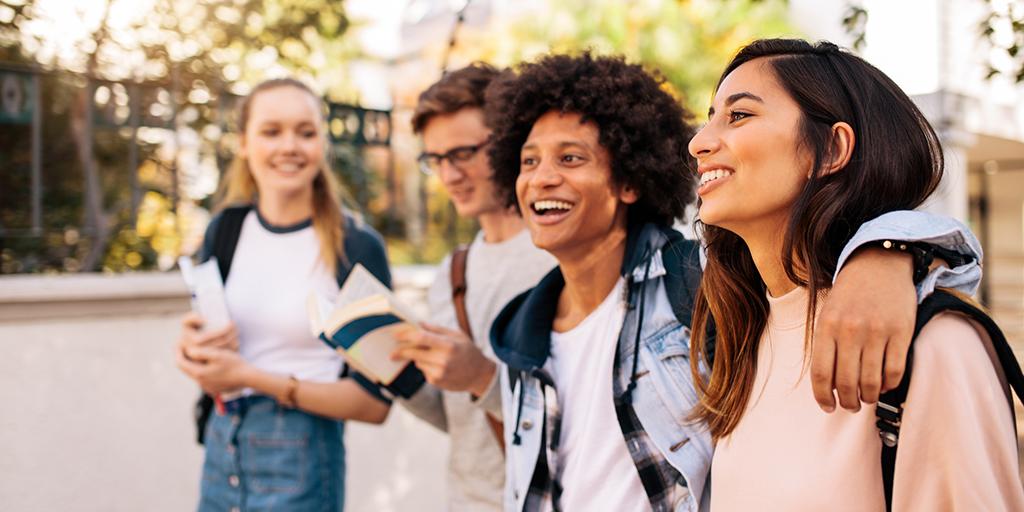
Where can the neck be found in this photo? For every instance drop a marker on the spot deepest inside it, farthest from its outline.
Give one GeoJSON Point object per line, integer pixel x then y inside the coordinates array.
{"type": "Point", "coordinates": [766, 250]}
{"type": "Point", "coordinates": [285, 209]}
{"type": "Point", "coordinates": [500, 225]}
{"type": "Point", "coordinates": [589, 277]}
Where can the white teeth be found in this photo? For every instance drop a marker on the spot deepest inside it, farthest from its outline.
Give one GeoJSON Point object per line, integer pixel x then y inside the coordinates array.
{"type": "Point", "coordinates": [288, 167]}
{"type": "Point", "coordinates": [551, 205]}
{"type": "Point", "coordinates": [714, 175]}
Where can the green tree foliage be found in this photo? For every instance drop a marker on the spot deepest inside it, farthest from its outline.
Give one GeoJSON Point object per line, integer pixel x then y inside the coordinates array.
{"type": "Point", "coordinates": [686, 41]}
{"type": "Point", "coordinates": [186, 56]}
{"type": "Point", "coordinates": [1003, 28]}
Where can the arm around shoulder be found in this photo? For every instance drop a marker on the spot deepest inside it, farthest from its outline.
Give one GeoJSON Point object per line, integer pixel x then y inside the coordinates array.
{"type": "Point", "coordinates": [918, 226]}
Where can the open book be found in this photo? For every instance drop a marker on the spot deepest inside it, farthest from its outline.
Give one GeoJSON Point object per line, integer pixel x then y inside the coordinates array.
{"type": "Point", "coordinates": [362, 328]}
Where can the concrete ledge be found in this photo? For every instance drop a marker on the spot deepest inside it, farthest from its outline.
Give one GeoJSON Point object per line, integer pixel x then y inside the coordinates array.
{"type": "Point", "coordinates": [37, 297]}
{"type": "Point", "coordinates": [32, 297]}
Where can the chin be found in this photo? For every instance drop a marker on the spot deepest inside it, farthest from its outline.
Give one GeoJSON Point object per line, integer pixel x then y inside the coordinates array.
{"type": "Point", "coordinates": [549, 242]}
{"type": "Point", "coordinates": [539, 240]}
{"type": "Point", "coordinates": [466, 209]}
{"type": "Point", "coordinates": [710, 216]}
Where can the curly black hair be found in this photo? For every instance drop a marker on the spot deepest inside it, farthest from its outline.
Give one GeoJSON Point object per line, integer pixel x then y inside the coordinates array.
{"type": "Point", "coordinates": [642, 126]}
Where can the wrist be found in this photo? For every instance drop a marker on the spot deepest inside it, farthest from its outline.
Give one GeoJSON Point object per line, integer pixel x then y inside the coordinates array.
{"type": "Point", "coordinates": [921, 256]}
{"type": "Point", "coordinates": [878, 258]}
{"type": "Point", "coordinates": [247, 375]}
{"type": "Point", "coordinates": [483, 379]}
{"type": "Point", "coordinates": [287, 395]}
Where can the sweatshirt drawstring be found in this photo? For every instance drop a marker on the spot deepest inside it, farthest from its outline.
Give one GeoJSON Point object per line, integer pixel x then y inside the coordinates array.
{"type": "Point", "coordinates": [628, 395]}
{"type": "Point", "coordinates": [516, 440]}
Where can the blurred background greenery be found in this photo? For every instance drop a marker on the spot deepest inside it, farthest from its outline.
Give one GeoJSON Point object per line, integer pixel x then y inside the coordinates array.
{"type": "Point", "coordinates": [118, 112]}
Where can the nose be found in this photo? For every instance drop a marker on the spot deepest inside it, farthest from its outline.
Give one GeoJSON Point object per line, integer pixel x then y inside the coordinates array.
{"type": "Point", "coordinates": [545, 175]}
{"type": "Point", "coordinates": [704, 142]}
{"type": "Point", "coordinates": [290, 142]}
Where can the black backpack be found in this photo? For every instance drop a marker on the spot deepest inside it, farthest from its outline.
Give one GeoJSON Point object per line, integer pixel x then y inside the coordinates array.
{"type": "Point", "coordinates": [890, 405]}
{"type": "Point", "coordinates": [225, 238]}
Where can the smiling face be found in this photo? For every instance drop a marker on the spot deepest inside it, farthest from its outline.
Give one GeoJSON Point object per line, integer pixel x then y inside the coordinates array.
{"type": "Point", "coordinates": [283, 142]}
{"type": "Point", "coordinates": [752, 166]}
{"type": "Point", "coordinates": [565, 189]}
{"type": "Point", "coordinates": [468, 182]}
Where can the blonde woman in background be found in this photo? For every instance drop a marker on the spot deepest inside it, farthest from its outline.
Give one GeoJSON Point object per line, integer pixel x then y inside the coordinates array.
{"type": "Point", "coordinates": [281, 233]}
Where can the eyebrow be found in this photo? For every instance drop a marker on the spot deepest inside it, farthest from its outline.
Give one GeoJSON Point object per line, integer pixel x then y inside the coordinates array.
{"type": "Point", "coordinates": [301, 122]}
{"type": "Point", "coordinates": [736, 97]}
{"type": "Point", "coordinates": [561, 145]}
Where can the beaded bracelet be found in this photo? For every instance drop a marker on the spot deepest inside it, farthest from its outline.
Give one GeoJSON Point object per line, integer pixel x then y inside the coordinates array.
{"type": "Point", "coordinates": [924, 254]}
{"type": "Point", "coordinates": [921, 253]}
{"type": "Point", "coordinates": [288, 400]}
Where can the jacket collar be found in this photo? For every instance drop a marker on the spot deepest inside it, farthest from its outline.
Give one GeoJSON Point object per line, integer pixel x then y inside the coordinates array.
{"type": "Point", "coordinates": [521, 334]}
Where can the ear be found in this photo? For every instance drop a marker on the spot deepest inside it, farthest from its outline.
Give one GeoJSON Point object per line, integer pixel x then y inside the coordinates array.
{"type": "Point", "coordinates": [843, 141]}
{"type": "Point", "coordinates": [628, 194]}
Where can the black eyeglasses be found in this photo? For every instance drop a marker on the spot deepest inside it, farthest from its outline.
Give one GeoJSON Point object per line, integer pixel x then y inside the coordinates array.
{"type": "Point", "coordinates": [430, 163]}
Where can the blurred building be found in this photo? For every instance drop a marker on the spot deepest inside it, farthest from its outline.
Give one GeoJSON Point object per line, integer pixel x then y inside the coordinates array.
{"type": "Point", "coordinates": [933, 50]}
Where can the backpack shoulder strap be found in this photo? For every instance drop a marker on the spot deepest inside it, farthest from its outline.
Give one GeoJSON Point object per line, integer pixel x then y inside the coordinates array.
{"type": "Point", "coordinates": [889, 409]}
{"type": "Point", "coordinates": [226, 237]}
{"type": "Point", "coordinates": [458, 280]}
{"type": "Point", "coordinates": [682, 279]}
{"type": "Point", "coordinates": [681, 258]}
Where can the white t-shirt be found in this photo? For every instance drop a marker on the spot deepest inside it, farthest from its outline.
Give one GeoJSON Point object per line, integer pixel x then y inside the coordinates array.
{"type": "Point", "coordinates": [496, 272]}
{"type": "Point", "coordinates": [272, 273]}
{"type": "Point", "coordinates": [594, 466]}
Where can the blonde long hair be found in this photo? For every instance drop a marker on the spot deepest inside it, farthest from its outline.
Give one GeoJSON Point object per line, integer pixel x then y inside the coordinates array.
{"type": "Point", "coordinates": [239, 188]}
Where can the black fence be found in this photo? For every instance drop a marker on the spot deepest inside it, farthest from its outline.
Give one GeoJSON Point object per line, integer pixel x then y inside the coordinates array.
{"type": "Point", "coordinates": [78, 154]}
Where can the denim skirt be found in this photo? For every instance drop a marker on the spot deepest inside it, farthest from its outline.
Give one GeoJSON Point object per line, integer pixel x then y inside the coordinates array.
{"type": "Point", "coordinates": [261, 457]}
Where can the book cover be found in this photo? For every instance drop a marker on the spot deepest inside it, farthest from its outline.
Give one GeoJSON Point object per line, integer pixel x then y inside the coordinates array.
{"type": "Point", "coordinates": [362, 328]}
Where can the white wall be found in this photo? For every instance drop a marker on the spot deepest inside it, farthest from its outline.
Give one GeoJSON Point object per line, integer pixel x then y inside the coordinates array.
{"type": "Point", "coordinates": [97, 418]}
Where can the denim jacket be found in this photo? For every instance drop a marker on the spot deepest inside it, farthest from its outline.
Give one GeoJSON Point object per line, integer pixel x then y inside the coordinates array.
{"type": "Point", "coordinates": [672, 455]}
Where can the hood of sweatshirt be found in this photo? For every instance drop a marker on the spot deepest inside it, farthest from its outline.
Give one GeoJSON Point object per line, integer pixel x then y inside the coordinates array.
{"type": "Point", "coordinates": [521, 334]}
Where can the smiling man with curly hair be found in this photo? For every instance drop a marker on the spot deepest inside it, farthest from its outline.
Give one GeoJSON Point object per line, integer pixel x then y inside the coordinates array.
{"type": "Point", "coordinates": [598, 387]}
{"type": "Point", "coordinates": [592, 151]}
{"type": "Point", "coordinates": [641, 127]}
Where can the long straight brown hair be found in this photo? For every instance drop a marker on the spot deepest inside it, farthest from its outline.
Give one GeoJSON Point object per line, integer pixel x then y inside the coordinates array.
{"type": "Point", "coordinates": [896, 164]}
{"type": "Point", "coordinates": [238, 186]}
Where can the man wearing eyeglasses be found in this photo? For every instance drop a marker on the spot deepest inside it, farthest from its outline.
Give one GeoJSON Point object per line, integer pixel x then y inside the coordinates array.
{"type": "Point", "coordinates": [502, 262]}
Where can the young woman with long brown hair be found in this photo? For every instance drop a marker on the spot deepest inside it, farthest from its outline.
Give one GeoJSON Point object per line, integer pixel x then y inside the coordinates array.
{"type": "Point", "coordinates": [804, 143]}
{"type": "Point", "coordinates": [279, 445]}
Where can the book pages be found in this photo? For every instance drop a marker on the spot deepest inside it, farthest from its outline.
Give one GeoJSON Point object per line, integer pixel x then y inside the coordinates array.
{"type": "Point", "coordinates": [363, 324]}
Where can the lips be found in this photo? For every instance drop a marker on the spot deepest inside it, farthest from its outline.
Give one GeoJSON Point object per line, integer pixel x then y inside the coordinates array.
{"type": "Point", "coordinates": [288, 167]}
{"type": "Point", "coordinates": [716, 174]}
{"type": "Point", "coordinates": [461, 195]}
{"type": "Point", "coordinates": [711, 177]}
{"type": "Point", "coordinates": [550, 211]}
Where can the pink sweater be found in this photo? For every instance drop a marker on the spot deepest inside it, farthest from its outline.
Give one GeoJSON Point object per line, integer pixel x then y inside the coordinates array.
{"type": "Point", "coordinates": [957, 445]}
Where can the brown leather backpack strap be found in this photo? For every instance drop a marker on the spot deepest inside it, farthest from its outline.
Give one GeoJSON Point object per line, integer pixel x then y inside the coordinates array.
{"type": "Point", "coordinates": [498, 430]}
{"type": "Point", "coordinates": [458, 279]}
{"type": "Point", "coordinates": [458, 276]}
